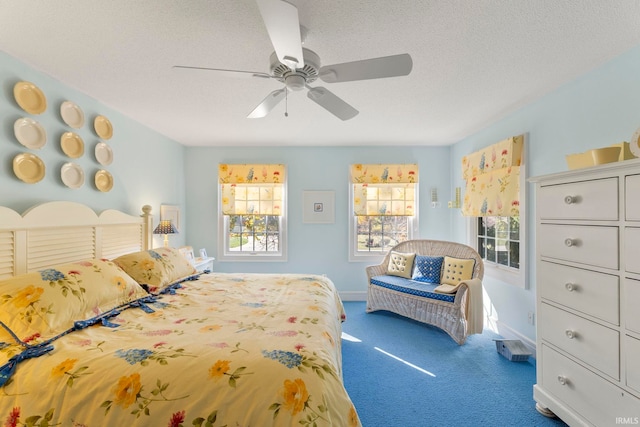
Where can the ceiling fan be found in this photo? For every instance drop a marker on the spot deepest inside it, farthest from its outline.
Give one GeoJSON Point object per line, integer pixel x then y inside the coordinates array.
{"type": "Point", "coordinates": [297, 67]}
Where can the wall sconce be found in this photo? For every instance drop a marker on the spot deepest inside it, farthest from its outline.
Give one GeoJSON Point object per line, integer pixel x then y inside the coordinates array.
{"type": "Point", "coordinates": [456, 203]}
{"type": "Point", "coordinates": [165, 227]}
{"type": "Point", "coordinates": [434, 197]}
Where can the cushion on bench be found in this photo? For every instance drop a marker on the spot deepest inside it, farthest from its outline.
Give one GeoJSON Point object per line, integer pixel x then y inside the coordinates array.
{"type": "Point", "coordinates": [411, 287]}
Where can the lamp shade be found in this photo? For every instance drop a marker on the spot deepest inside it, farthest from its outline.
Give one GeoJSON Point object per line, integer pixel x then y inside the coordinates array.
{"type": "Point", "coordinates": [165, 227]}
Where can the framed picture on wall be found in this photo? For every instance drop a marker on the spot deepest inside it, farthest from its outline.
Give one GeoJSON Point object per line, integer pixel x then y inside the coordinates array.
{"type": "Point", "coordinates": [172, 213]}
{"type": "Point", "coordinates": [318, 207]}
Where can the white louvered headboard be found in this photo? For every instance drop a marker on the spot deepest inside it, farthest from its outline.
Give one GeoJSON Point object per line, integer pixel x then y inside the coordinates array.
{"type": "Point", "coordinates": [59, 232]}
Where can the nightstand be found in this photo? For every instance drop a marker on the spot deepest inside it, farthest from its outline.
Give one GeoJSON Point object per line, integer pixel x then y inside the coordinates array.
{"type": "Point", "coordinates": [204, 265]}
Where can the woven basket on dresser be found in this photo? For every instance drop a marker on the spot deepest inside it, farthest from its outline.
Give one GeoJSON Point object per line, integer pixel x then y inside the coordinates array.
{"type": "Point", "coordinates": [450, 317]}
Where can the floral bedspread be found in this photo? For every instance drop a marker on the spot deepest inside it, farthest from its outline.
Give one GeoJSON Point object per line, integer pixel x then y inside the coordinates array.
{"type": "Point", "coordinates": [225, 350]}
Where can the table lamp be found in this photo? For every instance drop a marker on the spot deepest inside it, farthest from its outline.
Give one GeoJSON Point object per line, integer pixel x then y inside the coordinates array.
{"type": "Point", "coordinates": [166, 227]}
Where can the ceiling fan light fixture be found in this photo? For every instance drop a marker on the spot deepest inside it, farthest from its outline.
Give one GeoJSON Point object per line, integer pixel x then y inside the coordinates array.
{"type": "Point", "coordinates": [294, 82]}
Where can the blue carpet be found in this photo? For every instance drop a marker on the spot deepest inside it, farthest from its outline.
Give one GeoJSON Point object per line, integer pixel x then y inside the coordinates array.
{"type": "Point", "coordinates": [441, 383]}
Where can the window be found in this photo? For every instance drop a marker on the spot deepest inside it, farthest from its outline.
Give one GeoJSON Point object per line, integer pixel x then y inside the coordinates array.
{"type": "Point", "coordinates": [384, 208]}
{"type": "Point", "coordinates": [499, 240]}
{"type": "Point", "coordinates": [252, 224]}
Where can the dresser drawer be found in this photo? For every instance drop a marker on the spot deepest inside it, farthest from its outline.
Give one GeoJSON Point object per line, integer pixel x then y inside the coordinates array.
{"type": "Point", "coordinates": [585, 244]}
{"type": "Point", "coordinates": [632, 249]}
{"type": "Point", "coordinates": [589, 395]}
{"type": "Point", "coordinates": [632, 201]}
{"type": "Point", "coordinates": [632, 346]}
{"type": "Point", "coordinates": [631, 299]}
{"type": "Point", "coordinates": [594, 200]}
{"type": "Point", "coordinates": [588, 341]}
{"type": "Point", "coordinates": [590, 292]}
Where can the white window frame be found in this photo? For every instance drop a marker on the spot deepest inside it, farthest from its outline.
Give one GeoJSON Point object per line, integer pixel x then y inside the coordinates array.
{"type": "Point", "coordinates": [225, 255]}
{"type": "Point", "coordinates": [513, 276]}
{"type": "Point", "coordinates": [375, 257]}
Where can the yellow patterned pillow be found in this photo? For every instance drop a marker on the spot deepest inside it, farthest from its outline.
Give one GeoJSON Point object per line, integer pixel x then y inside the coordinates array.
{"type": "Point", "coordinates": [43, 304]}
{"type": "Point", "coordinates": [456, 270]}
{"type": "Point", "coordinates": [156, 268]}
{"type": "Point", "coordinates": [401, 264]}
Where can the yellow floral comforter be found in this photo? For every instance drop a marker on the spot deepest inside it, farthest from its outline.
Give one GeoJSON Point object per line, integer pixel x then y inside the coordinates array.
{"type": "Point", "coordinates": [225, 350]}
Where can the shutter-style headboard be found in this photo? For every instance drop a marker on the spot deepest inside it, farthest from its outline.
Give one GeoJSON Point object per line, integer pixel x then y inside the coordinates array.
{"type": "Point", "coordinates": [58, 232]}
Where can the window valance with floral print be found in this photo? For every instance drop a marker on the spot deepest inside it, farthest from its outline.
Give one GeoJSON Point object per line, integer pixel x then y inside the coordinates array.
{"type": "Point", "coordinates": [492, 178]}
{"type": "Point", "coordinates": [251, 189]}
{"type": "Point", "coordinates": [384, 189]}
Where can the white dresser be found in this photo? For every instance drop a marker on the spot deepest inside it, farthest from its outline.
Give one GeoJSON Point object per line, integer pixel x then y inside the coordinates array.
{"type": "Point", "coordinates": [588, 295]}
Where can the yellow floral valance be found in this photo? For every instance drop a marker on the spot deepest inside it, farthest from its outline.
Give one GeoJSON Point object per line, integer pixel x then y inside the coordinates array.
{"type": "Point", "coordinates": [492, 178]}
{"type": "Point", "coordinates": [252, 189]}
{"type": "Point", "coordinates": [384, 189]}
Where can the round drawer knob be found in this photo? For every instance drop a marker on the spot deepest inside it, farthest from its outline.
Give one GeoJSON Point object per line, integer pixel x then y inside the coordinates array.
{"type": "Point", "coordinates": [569, 242]}
{"type": "Point", "coordinates": [569, 199]}
{"type": "Point", "coordinates": [562, 379]}
{"type": "Point", "coordinates": [570, 287]}
{"type": "Point", "coordinates": [571, 334]}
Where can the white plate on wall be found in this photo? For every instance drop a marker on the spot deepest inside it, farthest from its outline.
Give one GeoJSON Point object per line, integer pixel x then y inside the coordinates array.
{"type": "Point", "coordinates": [634, 144]}
{"type": "Point", "coordinates": [72, 114]}
{"type": "Point", "coordinates": [104, 154]}
{"type": "Point", "coordinates": [72, 175]}
{"type": "Point", "coordinates": [30, 133]}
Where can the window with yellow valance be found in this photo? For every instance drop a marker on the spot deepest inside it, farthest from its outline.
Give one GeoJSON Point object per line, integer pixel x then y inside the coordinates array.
{"type": "Point", "coordinates": [492, 178]}
{"type": "Point", "coordinates": [384, 189]}
{"type": "Point", "coordinates": [251, 189]}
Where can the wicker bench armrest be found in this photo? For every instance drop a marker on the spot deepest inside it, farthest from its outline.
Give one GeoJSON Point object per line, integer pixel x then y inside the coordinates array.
{"type": "Point", "coordinates": [376, 270]}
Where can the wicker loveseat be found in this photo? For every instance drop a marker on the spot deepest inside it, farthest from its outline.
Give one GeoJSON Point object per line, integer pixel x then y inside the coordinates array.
{"type": "Point", "coordinates": [459, 313]}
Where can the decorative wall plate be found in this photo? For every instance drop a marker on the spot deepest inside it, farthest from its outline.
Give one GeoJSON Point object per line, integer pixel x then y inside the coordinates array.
{"type": "Point", "coordinates": [72, 114]}
{"type": "Point", "coordinates": [72, 145]}
{"type": "Point", "coordinates": [72, 175]}
{"type": "Point", "coordinates": [104, 154]}
{"type": "Point", "coordinates": [28, 167]}
{"type": "Point", "coordinates": [634, 144]}
{"type": "Point", "coordinates": [30, 133]}
{"type": "Point", "coordinates": [103, 180]}
{"type": "Point", "coordinates": [103, 127]}
{"type": "Point", "coordinates": [29, 97]}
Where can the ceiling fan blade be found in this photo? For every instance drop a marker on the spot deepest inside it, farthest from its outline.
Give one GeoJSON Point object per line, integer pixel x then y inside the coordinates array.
{"type": "Point", "coordinates": [375, 68]}
{"type": "Point", "coordinates": [268, 104]}
{"type": "Point", "coordinates": [283, 26]}
{"type": "Point", "coordinates": [230, 73]}
{"type": "Point", "coordinates": [331, 103]}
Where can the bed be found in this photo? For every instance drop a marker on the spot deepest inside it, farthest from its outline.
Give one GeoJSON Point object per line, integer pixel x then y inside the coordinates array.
{"type": "Point", "coordinates": [83, 343]}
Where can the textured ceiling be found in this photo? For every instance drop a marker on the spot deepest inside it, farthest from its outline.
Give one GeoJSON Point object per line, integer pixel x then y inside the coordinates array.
{"type": "Point", "coordinates": [474, 61]}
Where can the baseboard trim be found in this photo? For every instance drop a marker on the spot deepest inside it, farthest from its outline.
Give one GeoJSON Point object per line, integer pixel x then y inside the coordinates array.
{"type": "Point", "coordinates": [353, 296]}
{"type": "Point", "coordinates": [509, 333]}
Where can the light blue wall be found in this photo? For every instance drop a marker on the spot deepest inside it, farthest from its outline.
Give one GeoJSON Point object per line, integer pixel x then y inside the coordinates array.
{"type": "Point", "coordinates": [598, 109]}
{"type": "Point", "coordinates": [313, 248]}
{"type": "Point", "coordinates": [147, 168]}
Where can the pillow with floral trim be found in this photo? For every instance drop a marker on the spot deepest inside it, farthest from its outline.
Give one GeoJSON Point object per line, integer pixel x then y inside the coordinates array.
{"type": "Point", "coordinates": [157, 268]}
{"type": "Point", "coordinates": [427, 268]}
{"type": "Point", "coordinates": [40, 305]}
{"type": "Point", "coordinates": [400, 264]}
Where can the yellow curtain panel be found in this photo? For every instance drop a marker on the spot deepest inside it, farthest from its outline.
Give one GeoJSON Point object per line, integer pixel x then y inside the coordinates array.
{"type": "Point", "coordinates": [492, 178]}
{"type": "Point", "coordinates": [384, 189]}
{"type": "Point", "coordinates": [251, 189]}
